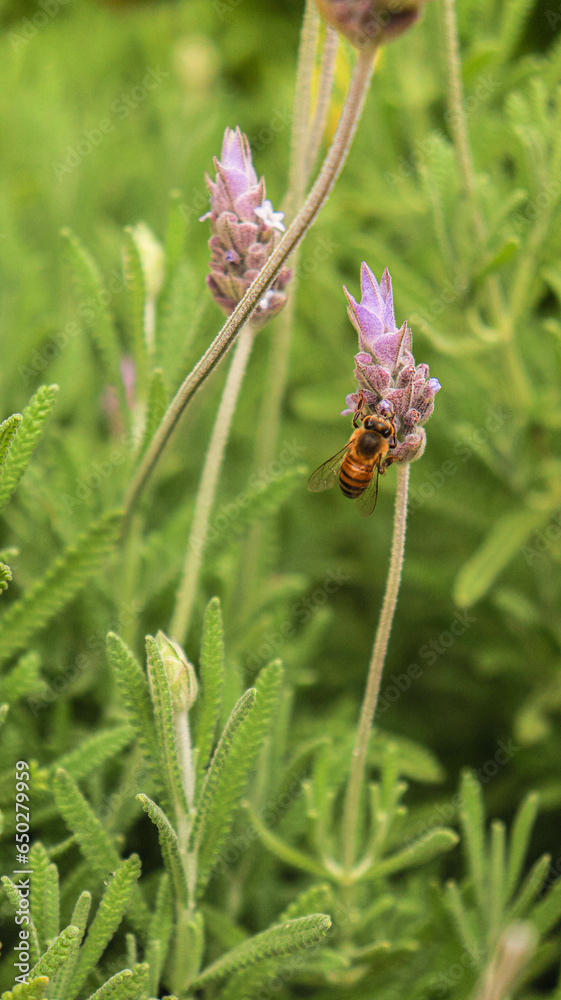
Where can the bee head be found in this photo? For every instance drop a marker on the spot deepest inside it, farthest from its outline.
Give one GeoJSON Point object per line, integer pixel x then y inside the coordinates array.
{"type": "Point", "coordinates": [379, 425]}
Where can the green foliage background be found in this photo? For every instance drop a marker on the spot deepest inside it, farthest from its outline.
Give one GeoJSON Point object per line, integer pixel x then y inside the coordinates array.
{"type": "Point", "coordinates": [400, 203]}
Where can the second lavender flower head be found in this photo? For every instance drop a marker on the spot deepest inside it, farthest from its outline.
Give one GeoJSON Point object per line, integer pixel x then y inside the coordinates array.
{"type": "Point", "coordinates": [245, 231]}
{"type": "Point", "coordinates": [388, 378]}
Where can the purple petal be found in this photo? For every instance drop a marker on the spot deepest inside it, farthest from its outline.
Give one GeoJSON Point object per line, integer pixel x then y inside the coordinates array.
{"type": "Point", "coordinates": [236, 155]}
{"type": "Point", "coordinates": [366, 323]}
{"type": "Point", "coordinates": [371, 297]}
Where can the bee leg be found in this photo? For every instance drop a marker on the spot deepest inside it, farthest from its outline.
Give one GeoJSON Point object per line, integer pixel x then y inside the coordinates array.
{"type": "Point", "coordinates": [387, 462]}
{"type": "Point", "coordinates": [359, 410]}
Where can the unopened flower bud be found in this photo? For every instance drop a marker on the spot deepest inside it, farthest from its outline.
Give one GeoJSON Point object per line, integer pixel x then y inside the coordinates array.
{"type": "Point", "coordinates": [151, 255]}
{"type": "Point", "coordinates": [369, 23]}
{"type": "Point", "coordinates": [179, 672]}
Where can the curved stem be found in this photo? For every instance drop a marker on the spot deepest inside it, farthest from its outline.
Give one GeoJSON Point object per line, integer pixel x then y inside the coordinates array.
{"type": "Point", "coordinates": [352, 800]}
{"type": "Point", "coordinates": [304, 147]}
{"type": "Point", "coordinates": [302, 100]}
{"type": "Point", "coordinates": [206, 492]}
{"type": "Point", "coordinates": [327, 73]}
{"type": "Point", "coordinates": [321, 190]}
{"type": "Point", "coordinates": [460, 132]}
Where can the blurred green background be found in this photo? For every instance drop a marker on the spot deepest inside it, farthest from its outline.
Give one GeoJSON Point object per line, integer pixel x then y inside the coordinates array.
{"type": "Point", "coordinates": [400, 203]}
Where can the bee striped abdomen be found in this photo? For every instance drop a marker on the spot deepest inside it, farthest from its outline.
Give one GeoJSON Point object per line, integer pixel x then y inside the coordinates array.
{"type": "Point", "coordinates": [354, 479]}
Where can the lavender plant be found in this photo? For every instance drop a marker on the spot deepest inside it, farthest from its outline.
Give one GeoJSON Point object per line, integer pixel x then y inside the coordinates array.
{"type": "Point", "coordinates": [287, 861]}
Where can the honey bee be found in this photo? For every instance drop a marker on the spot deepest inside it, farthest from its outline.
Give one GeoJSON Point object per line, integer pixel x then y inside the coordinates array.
{"type": "Point", "coordinates": [364, 454]}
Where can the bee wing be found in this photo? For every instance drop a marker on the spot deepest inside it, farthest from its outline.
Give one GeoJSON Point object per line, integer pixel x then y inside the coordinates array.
{"type": "Point", "coordinates": [326, 476]}
{"type": "Point", "coordinates": [367, 501]}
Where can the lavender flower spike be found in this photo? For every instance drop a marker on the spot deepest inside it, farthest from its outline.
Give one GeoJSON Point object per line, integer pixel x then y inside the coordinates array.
{"type": "Point", "coordinates": [390, 381]}
{"type": "Point", "coordinates": [245, 231]}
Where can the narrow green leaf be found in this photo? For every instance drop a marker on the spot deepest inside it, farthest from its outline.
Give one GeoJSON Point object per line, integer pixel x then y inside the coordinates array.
{"type": "Point", "coordinates": [29, 432]}
{"type": "Point", "coordinates": [159, 934]}
{"type": "Point", "coordinates": [169, 845]}
{"type": "Point", "coordinates": [496, 875]}
{"type": "Point", "coordinates": [95, 843]}
{"type": "Point", "coordinates": [79, 919]}
{"type": "Point", "coordinates": [472, 818]}
{"type": "Point", "coordinates": [51, 903]}
{"type": "Point", "coordinates": [65, 577]}
{"type": "Point", "coordinates": [285, 852]}
{"type": "Point", "coordinates": [34, 989]}
{"type": "Point", "coordinates": [94, 751]}
{"type": "Point", "coordinates": [219, 772]}
{"type": "Point", "coordinates": [519, 841]}
{"type": "Point", "coordinates": [175, 234]}
{"type": "Point", "coordinates": [55, 957]}
{"type": "Point", "coordinates": [454, 902]}
{"type": "Point", "coordinates": [236, 768]}
{"type": "Point", "coordinates": [18, 902]}
{"type": "Point", "coordinates": [530, 888]}
{"type": "Point", "coordinates": [8, 431]}
{"type": "Point", "coordinates": [136, 300]}
{"type": "Point", "coordinates": [133, 686]}
{"type": "Point", "coordinates": [182, 310]}
{"type": "Point", "coordinates": [165, 728]}
{"type": "Point", "coordinates": [111, 910]}
{"type": "Point", "coordinates": [280, 940]}
{"type": "Point", "coordinates": [38, 863]}
{"type": "Point", "coordinates": [514, 16]}
{"type": "Point", "coordinates": [316, 899]}
{"type": "Point", "coordinates": [264, 500]}
{"type": "Point", "coordinates": [190, 946]}
{"type": "Point", "coordinates": [412, 760]}
{"type": "Point", "coordinates": [132, 949]}
{"type": "Point", "coordinates": [125, 985]}
{"type": "Point", "coordinates": [502, 543]}
{"type": "Point", "coordinates": [23, 679]}
{"type": "Point", "coordinates": [501, 256]}
{"type": "Point", "coordinates": [100, 326]}
{"type": "Point", "coordinates": [212, 673]}
{"type": "Point", "coordinates": [436, 842]}
{"type": "Point", "coordinates": [547, 913]}
{"type": "Point", "coordinates": [156, 407]}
